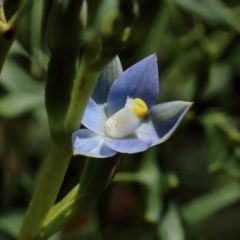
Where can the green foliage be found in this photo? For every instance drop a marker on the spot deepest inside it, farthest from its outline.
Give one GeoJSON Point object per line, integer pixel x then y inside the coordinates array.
{"type": "Point", "coordinates": [186, 188]}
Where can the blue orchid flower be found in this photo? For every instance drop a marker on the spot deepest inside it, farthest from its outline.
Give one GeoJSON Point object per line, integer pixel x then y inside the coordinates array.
{"type": "Point", "coordinates": [121, 116]}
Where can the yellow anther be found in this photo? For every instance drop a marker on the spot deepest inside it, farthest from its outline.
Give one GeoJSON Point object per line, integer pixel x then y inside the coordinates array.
{"type": "Point", "coordinates": [140, 108]}
{"type": "Point", "coordinates": [127, 119]}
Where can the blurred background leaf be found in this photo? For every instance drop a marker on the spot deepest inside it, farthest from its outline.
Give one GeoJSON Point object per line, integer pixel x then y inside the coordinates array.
{"type": "Point", "coordinates": [174, 191]}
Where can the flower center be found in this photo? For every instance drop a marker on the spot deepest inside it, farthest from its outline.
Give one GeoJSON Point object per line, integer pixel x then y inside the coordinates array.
{"type": "Point", "coordinates": [126, 120]}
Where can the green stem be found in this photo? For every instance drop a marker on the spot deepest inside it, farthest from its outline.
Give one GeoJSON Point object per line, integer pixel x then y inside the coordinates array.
{"type": "Point", "coordinates": [47, 189]}
{"type": "Point", "coordinates": [82, 90]}
{"type": "Point", "coordinates": [61, 150]}
{"type": "Point", "coordinates": [97, 175]}
{"type": "Point", "coordinates": [60, 153]}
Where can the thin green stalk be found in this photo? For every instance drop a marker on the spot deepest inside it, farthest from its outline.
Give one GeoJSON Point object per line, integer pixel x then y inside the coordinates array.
{"type": "Point", "coordinates": [47, 189]}
{"type": "Point", "coordinates": [60, 153]}
{"type": "Point", "coordinates": [82, 90]}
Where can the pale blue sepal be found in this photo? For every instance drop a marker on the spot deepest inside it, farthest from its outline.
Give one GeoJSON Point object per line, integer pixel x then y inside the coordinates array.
{"type": "Point", "coordinates": [128, 145]}
{"type": "Point", "coordinates": [94, 118]}
{"type": "Point", "coordinates": [105, 81]}
{"type": "Point", "coordinates": [162, 121]}
{"type": "Point", "coordinates": [88, 143]}
{"type": "Point", "coordinates": [138, 81]}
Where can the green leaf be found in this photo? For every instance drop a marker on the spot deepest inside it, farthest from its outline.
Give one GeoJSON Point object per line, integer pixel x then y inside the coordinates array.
{"type": "Point", "coordinates": [14, 105]}
{"type": "Point", "coordinates": [15, 79]}
{"type": "Point", "coordinates": [149, 175]}
{"type": "Point", "coordinates": [154, 183]}
{"type": "Point", "coordinates": [36, 36]}
{"type": "Point", "coordinates": [171, 228]}
{"type": "Point", "coordinates": [212, 10]}
{"type": "Point", "coordinates": [203, 207]}
{"type": "Point", "coordinates": [221, 135]}
{"type": "Point", "coordinates": [232, 165]}
{"type": "Point", "coordinates": [17, 49]}
{"type": "Point", "coordinates": [219, 80]}
{"type": "Point", "coordinates": [71, 196]}
{"type": "Point", "coordinates": [11, 222]}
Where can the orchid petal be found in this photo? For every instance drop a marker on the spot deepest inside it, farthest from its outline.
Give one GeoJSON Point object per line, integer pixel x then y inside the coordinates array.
{"type": "Point", "coordinates": [138, 81]}
{"type": "Point", "coordinates": [105, 81]}
{"type": "Point", "coordinates": [94, 118]}
{"type": "Point", "coordinates": [88, 143]}
{"type": "Point", "coordinates": [162, 121]}
{"type": "Point", "coordinates": [128, 145]}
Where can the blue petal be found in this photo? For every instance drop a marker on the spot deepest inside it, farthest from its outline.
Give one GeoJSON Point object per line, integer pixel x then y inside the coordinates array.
{"type": "Point", "coordinates": [105, 81]}
{"type": "Point", "coordinates": [86, 142]}
{"type": "Point", "coordinates": [94, 118]}
{"type": "Point", "coordinates": [162, 121]}
{"type": "Point", "coordinates": [128, 145]}
{"type": "Point", "coordinates": [138, 81]}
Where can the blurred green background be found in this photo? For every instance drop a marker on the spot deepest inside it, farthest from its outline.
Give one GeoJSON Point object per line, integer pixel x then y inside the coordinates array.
{"type": "Point", "coordinates": [186, 188]}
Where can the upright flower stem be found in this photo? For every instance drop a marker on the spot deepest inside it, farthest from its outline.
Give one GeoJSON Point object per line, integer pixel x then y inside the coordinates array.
{"type": "Point", "coordinates": [64, 39]}
{"type": "Point", "coordinates": [47, 189]}
{"type": "Point", "coordinates": [59, 155]}
{"type": "Point", "coordinates": [82, 90]}
{"type": "Point", "coordinates": [97, 175]}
